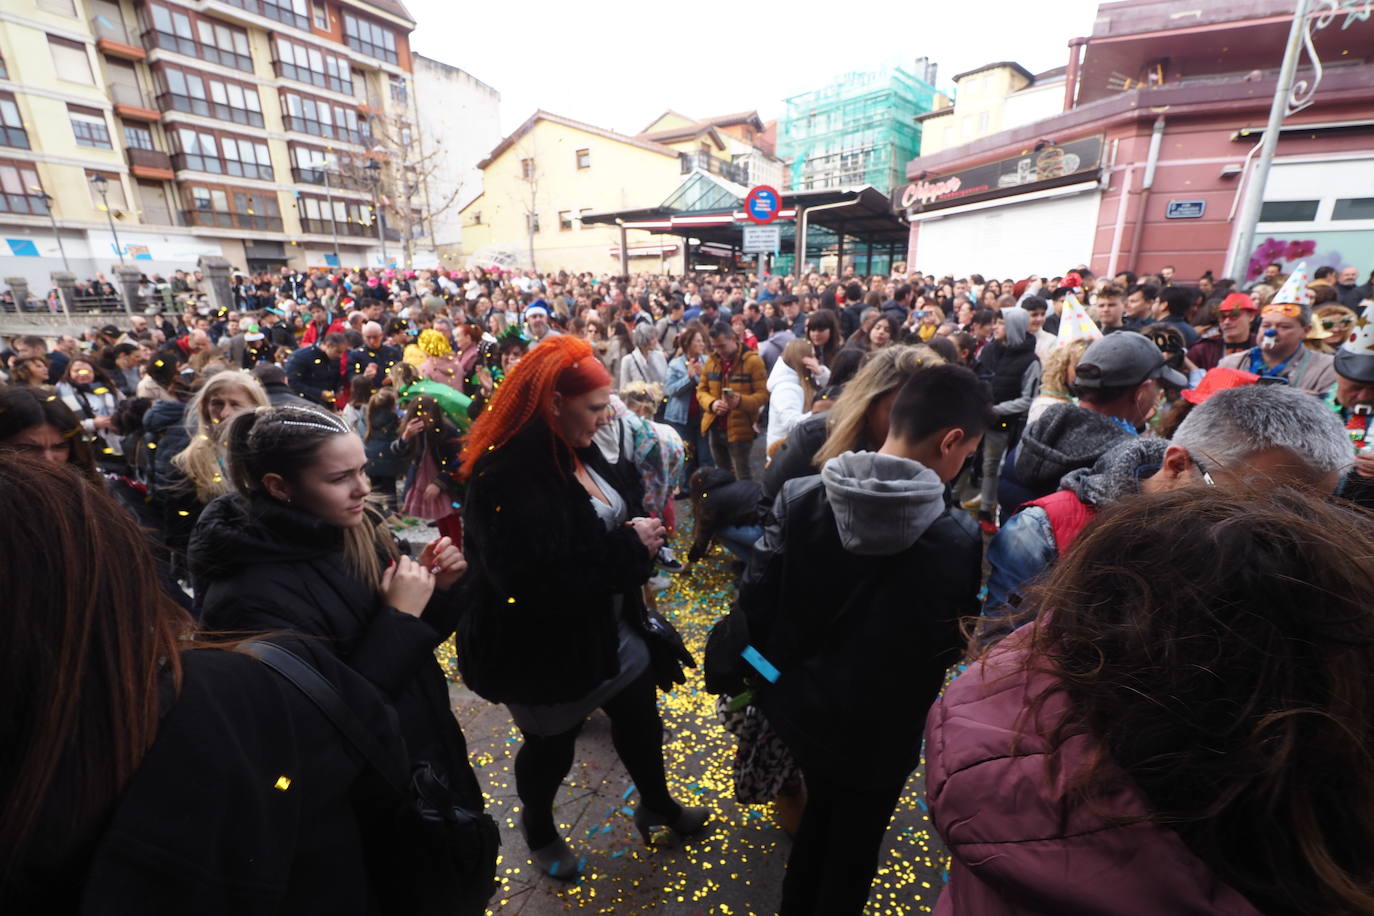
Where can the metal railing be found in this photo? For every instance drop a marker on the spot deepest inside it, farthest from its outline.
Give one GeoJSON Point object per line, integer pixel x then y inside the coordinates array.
{"type": "Point", "coordinates": [209, 109]}
{"type": "Point", "coordinates": [227, 219]}
{"type": "Point", "coordinates": [155, 38]}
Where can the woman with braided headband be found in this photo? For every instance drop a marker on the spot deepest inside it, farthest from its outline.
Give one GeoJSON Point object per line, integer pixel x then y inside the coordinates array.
{"type": "Point", "coordinates": [297, 551]}
{"type": "Point", "coordinates": [555, 624]}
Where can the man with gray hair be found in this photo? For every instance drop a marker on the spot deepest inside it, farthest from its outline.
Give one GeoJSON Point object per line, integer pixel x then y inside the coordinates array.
{"type": "Point", "coordinates": [372, 359]}
{"type": "Point", "coordinates": [1258, 434]}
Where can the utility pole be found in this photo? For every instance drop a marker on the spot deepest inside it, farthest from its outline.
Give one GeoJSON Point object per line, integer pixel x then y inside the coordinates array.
{"type": "Point", "coordinates": [1278, 110]}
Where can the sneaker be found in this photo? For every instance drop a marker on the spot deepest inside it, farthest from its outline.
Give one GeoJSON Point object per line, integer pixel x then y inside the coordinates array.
{"type": "Point", "coordinates": [659, 583]}
{"type": "Point", "coordinates": [666, 560]}
{"type": "Point", "coordinates": [972, 504]}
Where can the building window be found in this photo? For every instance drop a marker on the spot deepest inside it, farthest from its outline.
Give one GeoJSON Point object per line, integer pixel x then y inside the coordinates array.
{"type": "Point", "coordinates": [4, 74]}
{"type": "Point", "coordinates": [12, 131]}
{"type": "Point", "coordinates": [1288, 211]}
{"type": "Point", "coordinates": [70, 60]}
{"type": "Point", "coordinates": [89, 127]}
{"type": "Point", "coordinates": [1354, 208]}
{"type": "Point", "coordinates": [584, 159]}
{"type": "Point", "coordinates": [308, 64]}
{"type": "Point", "coordinates": [400, 93]}
{"type": "Point", "coordinates": [320, 118]}
{"type": "Point", "coordinates": [532, 222]}
{"type": "Point", "coordinates": [984, 120]}
{"type": "Point", "coordinates": [291, 12]}
{"type": "Point", "coordinates": [230, 208]}
{"type": "Point", "coordinates": [202, 151]}
{"type": "Point", "coordinates": [348, 217]}
{"type": "Point", "coordinates": [20, 190]}
{"type": "Point", "coordinates": [320, 15]}
{"type": "Point", "coordinates": [527, 169]}
{"type": "Point", "coordinates": [137, 136]}
{"type": "Point", "coordinates": [565, 221]}
{"type": "Point", "coordinates": [367, 37]}
{"type": "Point", "coordinates": [582, 215]}
{"type": "Point", "coordinates": [209, 96]}
{"type": "Point", "coordinates": [60, 7]}
{"type": "Point", "coordinates": [207, 39]}
{"type": "Point", "coordinates": [114, 191]}
{"type": "Point", "coordinates": [246, 158]}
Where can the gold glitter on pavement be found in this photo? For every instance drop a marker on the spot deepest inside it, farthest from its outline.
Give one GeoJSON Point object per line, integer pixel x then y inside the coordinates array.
{"type": "Point", "coordinates": [736, 865]}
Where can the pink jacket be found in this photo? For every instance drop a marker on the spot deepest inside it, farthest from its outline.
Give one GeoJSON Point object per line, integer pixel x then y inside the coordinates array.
{"type": "Point", "coordinates": [1020, 843]}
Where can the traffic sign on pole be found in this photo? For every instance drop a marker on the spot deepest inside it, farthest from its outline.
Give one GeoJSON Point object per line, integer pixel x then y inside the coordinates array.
{"type": "Point", "coordinates": [761, 239]}
{"type": "Point", "coordinates": [762, 204]}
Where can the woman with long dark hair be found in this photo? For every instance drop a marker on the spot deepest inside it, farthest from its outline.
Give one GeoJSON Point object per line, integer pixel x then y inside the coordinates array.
{"type": "Point", "coordinates": [1186, 726]}
{"type": "Point", "coordinates": [143, 770]}
{"type": "Point", "coordinates": [557, 627]}
{"type": "Point", "coordinates": [297, 547]}
{"type": "Point", "coordinates": [823, 330]}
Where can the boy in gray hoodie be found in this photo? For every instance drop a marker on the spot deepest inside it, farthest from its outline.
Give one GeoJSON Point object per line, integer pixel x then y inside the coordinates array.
{"type": "Point", "coordinates": [852, 600]}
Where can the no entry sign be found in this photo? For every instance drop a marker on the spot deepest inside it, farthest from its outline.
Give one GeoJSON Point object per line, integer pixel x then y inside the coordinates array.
{"type": "Point", "coordinates": [762, 204]}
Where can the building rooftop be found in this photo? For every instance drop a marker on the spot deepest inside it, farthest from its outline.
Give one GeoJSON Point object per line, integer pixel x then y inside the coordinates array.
{"type": "Point", "coordinates": [542, 115]}
{"type": "Point", "coordinates": [996, 65]}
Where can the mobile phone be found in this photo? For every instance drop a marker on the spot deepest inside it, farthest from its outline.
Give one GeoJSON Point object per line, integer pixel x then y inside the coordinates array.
{"type": "Point", "coordinates": [727, 392]}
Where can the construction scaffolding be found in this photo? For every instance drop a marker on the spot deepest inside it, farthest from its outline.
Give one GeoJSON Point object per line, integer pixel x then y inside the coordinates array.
{"type": "Point", "coordinates": [858, 130]}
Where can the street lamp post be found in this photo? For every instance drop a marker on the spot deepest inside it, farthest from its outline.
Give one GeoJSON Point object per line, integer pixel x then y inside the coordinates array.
{"type": "Point", "coordinates": [374, 171]}
{"type": "Point", "coordinates": [102, 187]}
{"type": "Point", "coordinates": [47, 205]}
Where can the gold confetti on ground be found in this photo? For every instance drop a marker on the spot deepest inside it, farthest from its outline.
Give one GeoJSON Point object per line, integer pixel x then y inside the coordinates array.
{"type": "Point", "coordinates": [736, 865]}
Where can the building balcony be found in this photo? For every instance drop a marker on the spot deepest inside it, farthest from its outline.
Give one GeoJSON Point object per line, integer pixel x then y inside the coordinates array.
{"type": "Point", "coordinates": [321, 129]}
{"type": "Point", "coordinates": [353, 229]}
{"type": "Point", "coordinates": [130, 102]}
{"type": "Point", "coordinates": [171, 101]}
{"type": "Point", "coordinates": [338, 181]}
{"type": "Point", "coordinates": [371, 50]}
{"type": "Point", "coordinates": [312, 77]}
{"type": "Point", "coordinates": [191, 48]}
{"type": "Point", "coordinates": [727, 170]}
{"type": "Point", "coordinates": [112, 39]}
{"type": "Point", "coordinates": [216, 166]}
{"type": "Point", "coordinates": [225, 219]}
{"type": "Point", "coordinates": [282, 14]}
{"type": "Point", "coordinates": [149, 163]}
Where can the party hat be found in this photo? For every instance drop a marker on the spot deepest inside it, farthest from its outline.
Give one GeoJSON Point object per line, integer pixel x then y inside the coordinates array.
{"type": "Point", "coordinates": [1074, 323]}
{"type": "Point", "coordinates": [1294, 290]}
{"type": "Point", "coordinates": [1355, 358]}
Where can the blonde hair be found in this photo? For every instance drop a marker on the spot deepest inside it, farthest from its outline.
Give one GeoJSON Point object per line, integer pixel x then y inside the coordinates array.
{"type": "Point", "coordinates": [881, 374]}
{"type": "Point", "coordinates": [641, 392]}
{"type": "Point", "coordinates": [200, 460]}
{"type": "Point", "coordinates": [798, 349]}
{"type": "Point", "coordinates": [1054, 381]}
{"type": "Point", "coordinates": [1263, 294]}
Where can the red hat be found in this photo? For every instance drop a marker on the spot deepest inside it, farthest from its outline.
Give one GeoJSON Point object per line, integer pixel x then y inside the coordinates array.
{"type": "Point", "coordinates": [1219, 380]}
{"type": "Point", "coordinates": [1073, 279]}
{"type": "Point", "coordinates": [1237, 302]}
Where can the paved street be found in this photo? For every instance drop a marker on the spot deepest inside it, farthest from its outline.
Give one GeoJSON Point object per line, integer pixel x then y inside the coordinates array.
{"type": "Point", "coordinates": [734, 868]}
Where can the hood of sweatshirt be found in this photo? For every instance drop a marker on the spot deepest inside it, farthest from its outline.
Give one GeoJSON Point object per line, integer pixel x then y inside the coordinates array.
{"type": "Point", "coordinates": [1065, 437]}
{"type": "Point", "coordinates": [1017, 321]}
{"type": "Point", "coordinates": [1118, 472]}
{"type": "Point", "coordinates": [882, 503]}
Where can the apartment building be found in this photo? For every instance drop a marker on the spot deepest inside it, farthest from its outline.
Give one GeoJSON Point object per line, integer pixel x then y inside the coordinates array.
{"type": "Point", "coordinates": [268, 132]}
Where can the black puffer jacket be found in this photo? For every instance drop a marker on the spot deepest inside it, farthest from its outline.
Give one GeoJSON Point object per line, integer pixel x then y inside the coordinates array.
{"type": "Point", "coordinates": [539, 625]}
{"type": "Point", "coordinates": [258, 565]}
{"type": "Point", "coordinates": [164, 429]}
{"type": "Point", "coordinates": [1064, 438]}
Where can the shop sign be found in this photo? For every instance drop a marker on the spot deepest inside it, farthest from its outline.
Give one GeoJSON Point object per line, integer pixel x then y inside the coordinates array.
{"type": "Point", "coordinates": [1049, 166]}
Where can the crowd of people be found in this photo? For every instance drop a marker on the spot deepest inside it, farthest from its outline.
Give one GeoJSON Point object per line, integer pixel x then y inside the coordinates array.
{"type": "Point", "coordinates": [213, 505]}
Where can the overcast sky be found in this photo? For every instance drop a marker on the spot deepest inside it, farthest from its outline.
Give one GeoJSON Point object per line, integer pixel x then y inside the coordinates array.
{"type": "Point", "coordinates": [618, 64]}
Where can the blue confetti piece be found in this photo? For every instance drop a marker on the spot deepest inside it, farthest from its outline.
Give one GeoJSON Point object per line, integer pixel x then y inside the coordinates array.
{"type": "Point", "coordinates": [628, 792]}
{"type": "Point", "coordinates": [629, 812]}
{"type": "Point", "coordinates": [922, 802]}
{"type": "Point", "coordinates": [606, 829]}
{"type": "Point", "coordinates": [616, 855]}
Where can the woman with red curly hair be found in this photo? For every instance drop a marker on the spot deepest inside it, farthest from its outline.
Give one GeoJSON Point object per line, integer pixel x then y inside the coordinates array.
{"type": "Point", "coordinates": [555, 627]}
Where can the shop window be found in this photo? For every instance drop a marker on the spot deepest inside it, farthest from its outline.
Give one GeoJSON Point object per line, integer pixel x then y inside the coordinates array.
{"type": "Point", "coordinates": [1289, 211]}
{"type": "Point", "coordinates": [1353, 208]}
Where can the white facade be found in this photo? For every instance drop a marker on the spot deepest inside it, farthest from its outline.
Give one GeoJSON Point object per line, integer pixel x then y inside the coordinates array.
{"type": "Point", "coordinates": [1034, 103]}
{"type": "Point", "coordinates": [459, 115]}
{"type": "Point", "coordinates": [1038, 233]}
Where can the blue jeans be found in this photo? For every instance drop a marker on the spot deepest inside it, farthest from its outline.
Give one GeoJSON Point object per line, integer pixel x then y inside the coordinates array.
{"type": "Point", "coordinates": [740, 539]}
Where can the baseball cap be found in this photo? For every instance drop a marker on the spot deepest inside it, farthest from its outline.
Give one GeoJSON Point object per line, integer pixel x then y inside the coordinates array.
{"type": "Point", "coordinates": [1124, 359]}
{"type": "Point", "coordinates": [1236, 302]}
{"type": "Point", "coordinates": [1219, 379]}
